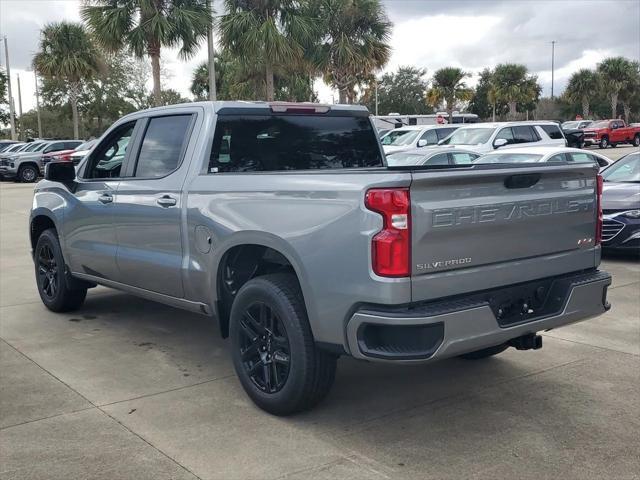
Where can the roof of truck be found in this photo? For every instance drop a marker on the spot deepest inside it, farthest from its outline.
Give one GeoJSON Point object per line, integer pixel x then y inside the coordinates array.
{"type": "Point", "coordinates": [231, 105]}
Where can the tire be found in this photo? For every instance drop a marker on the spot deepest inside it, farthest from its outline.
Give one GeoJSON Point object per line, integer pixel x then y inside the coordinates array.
{"type": "Point", "coordinates": [27, 174]}
{"type": "Point", "coordinates": [51, 279]}
{"type": "Point", "coordinates": [613, 145]}
{"type": "Point", "coordinates": [485, 352]}
{"type": "Point", "coordinates": [271, 338]}
{"type": "Point", "coordinates": [604, 142]}
{"type": "Point", "coordinates": [636, 141]}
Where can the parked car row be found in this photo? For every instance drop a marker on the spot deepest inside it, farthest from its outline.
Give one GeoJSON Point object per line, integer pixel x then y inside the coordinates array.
{"type": "Point", "coordinates": [25, 162]}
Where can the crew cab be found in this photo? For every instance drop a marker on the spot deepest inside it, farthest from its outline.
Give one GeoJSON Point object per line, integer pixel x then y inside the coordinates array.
{"type": "Point", "coordinates": [284, 222]}
{"type": "Point", "coordinates": [607, 133]}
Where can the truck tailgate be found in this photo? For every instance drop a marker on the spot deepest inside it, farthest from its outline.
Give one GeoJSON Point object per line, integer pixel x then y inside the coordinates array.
{"type": "Point", "coordinates": [478, 228]}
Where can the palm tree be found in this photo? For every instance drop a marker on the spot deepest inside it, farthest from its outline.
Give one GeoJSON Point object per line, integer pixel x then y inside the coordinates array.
{"type": "Point", "coordinates": [68, 55]}
{"type": "Point", "coordinates": [145, 26]}
{"type": "Point", "coordinates": [513, 85]}
{"type": "Point", "coordinates": [582, 86]}
{"type": "Point", "coordinates": [271, 35]}
{"type": "Point", "coordinates": [614, 73]}
{"type": "Point", "coordinates": [448, 86]}
{"type": "Point", "coordinates": [630, 93]}
{"type": "Point", "coordinates": [354, 42]}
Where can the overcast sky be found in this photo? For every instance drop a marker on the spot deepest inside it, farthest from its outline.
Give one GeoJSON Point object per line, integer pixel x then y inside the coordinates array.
{"type": "Point", "coordinates": [471, 34]}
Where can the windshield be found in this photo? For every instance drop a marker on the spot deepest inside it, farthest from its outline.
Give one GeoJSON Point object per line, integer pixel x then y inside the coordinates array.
{"type": "Point", "coordinates": [85, 146]}
{"type": "Point", "coordinates": [624, 170]}
{"type": "Point", "coordinates": [469, 136]}
{"type": "Point", "coordinates": [400, 137]}
{"type": "Point", "coordinates": [509, 158]}
{"type": "Point", "coordinates": [570, 125]}
{"type": "Point", "coordinates": [404, 159]}
{"type": "Point", "coordinates": [604, 124]}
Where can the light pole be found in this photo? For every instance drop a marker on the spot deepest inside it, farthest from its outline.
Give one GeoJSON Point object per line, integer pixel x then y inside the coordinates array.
{"type": "Point", "coordinates": [553, 58]}
{"type": "Point", "coordinates": [35, 74]}
{"type": "Point", "coordinates": [12, 113]}
{"type": "Point", "coordinates": [21, 135]}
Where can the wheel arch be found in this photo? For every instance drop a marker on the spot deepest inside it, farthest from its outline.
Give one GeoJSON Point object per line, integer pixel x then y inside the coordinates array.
{"type": "Point", "coordinates": [263, 254]}
{"type": "Point", "coordinates": [41, 220]}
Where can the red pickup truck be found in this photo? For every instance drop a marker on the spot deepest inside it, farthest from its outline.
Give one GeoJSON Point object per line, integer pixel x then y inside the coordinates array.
{"type": "Point", "coordinates": [611, 132]}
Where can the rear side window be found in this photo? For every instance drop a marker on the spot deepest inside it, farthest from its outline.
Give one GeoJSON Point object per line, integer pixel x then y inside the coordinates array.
{"type": "Point", "coordinates": [267, 143]}
{"type": "Point", "coordinates": [161, 150]}
{"type": "Point", "coordinates": [439, 159]}
{"type": "Point", "coordinates": [582, 158]}
{"type": "Point", "coordinates": [553, 131]}
{"type": "Point", "coordinates": [463, 158]}
{"type": "Point", "coordinates": [525, 134]}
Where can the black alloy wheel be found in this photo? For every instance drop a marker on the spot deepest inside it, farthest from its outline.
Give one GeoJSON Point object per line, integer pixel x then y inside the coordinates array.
{"type": "Point", "coordinates": [264, 347]}
{"type": "Point", "coordinates": [48, 274]}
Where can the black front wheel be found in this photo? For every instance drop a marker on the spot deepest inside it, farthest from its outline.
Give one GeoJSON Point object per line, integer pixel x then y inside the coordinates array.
{"type": "Point", "coordinates": [604, 142]}
{"type": "Point", "coordinates": [636, 141]}
{"type": "Point", "coordinates": [53, 284]}
{"type": "Point", "coordinates": [273, 351]}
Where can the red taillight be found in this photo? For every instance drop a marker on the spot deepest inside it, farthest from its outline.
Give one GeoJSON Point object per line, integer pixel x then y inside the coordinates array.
{"type": "Point", "coordinates": [391, 247]}
{"type": "Point", "coordinates": [599, 184]}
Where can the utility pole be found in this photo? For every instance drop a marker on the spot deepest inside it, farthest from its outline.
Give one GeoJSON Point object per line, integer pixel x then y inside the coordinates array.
{"type": "Point", "coordinates": [12, 113]}
{"type": "Point", "coordinates": [212, 54]}
{"type": "Point", "coordinates": [21, 135]}
{"type": "Point", "coordinates": [35, 74]}
{"type": "Point", "coordinates": [553, 59]}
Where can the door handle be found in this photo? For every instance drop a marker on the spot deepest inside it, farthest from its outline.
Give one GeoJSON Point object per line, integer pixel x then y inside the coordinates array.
{"type": "Point", "coordinates": [166, 201]}
{"type": "Point", "coordinates": [105, 198]}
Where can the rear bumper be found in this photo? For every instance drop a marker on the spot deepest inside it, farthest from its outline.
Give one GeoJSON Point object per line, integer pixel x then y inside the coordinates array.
{"type": "Point", "coordinates": [440, 330]}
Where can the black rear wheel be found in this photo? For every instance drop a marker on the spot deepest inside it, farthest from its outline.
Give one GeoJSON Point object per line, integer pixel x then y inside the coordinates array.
{"type": "Point", "coordinates": [272, 347]}
{"type": "Point", "coordinates": [53, 284]}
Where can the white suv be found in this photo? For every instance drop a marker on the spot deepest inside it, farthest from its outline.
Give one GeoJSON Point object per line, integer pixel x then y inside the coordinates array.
{"type": "Point", "coordinates": [486, 137]}
{"type": "Point", "coordinates": [415, 136]}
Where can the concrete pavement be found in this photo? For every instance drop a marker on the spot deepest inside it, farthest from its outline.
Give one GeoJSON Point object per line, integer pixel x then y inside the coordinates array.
{"type": "Point", "coordinates": [128, 389]}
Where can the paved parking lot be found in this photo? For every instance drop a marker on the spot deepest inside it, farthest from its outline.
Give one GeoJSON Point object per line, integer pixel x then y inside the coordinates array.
{"type": "Point", "coordinates": [125, 388]}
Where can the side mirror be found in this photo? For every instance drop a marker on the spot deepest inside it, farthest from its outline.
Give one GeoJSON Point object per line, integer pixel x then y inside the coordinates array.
{"type": "Point", "coordinates": [63, 172]}
{"type": "Point", "coordinates": [500, 142]}
{"type": "Point", "coordinates": [422, 142]}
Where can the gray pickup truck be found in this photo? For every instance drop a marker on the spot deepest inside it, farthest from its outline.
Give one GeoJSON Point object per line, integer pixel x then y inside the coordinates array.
{"type": "Point", "coordinates": [284, 223]}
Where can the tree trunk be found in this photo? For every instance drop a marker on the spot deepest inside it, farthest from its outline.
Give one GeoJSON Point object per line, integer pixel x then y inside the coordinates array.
{"type": "Point", "coordinates": [154, 53]}
{"type": "Point", "coordinates": [269, 83]}
{"type": "Point", "coordinates": [493, 115]}
{"type": "Point", "coordinates": [512, 110]}
{"type": "Point", "coordinates": [585, 107]}
{"type": "Point", "coordinates": [627, 111]}
{"type": "Point", "coordinates": [342, 92]}
{"type": "Point", "coordinates": [614, 104]}
{"type": "Point", "coordinates": [73, 100]}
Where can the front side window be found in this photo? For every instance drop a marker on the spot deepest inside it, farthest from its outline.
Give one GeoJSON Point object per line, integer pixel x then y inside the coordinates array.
{"type": "Point", "coordinates": [106, 161]}
{"type": "Point", "coordinates": [430, 136]}
{"type": "Point", "coordinates": [161, 150]}
{"type": "Point", "coordinates": [399, 138]}
{"type": "Point", "coordinates": [524, 134]}
{"type": "Point", "coordinates": [506, 134]}
{"type": "Point", "coordinates": [266, 143]}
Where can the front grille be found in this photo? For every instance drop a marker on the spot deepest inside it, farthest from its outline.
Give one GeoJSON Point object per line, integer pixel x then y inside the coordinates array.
{"type": "Point", "coordinates": [611, 228]}
{"type": "Point", "coordinates": [589, 134]}
{"type": "Point", "coordinates": [4, 163]}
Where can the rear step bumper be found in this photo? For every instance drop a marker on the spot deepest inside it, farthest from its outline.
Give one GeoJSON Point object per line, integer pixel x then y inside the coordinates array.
{"type": "Point", "coordinates": [437, 330]}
